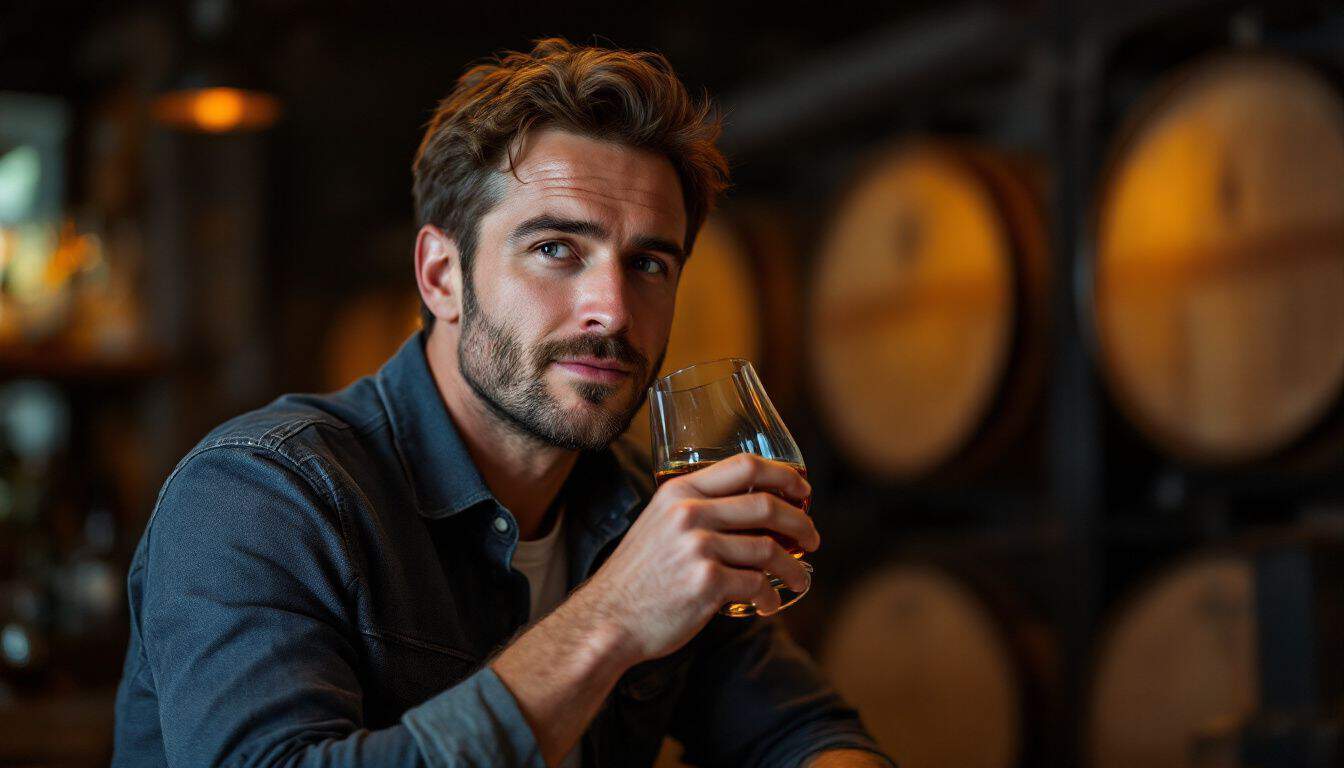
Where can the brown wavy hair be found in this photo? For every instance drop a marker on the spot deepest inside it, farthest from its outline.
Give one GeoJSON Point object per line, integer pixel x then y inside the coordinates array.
{"type": "Point", "coordinates": [634, 98]}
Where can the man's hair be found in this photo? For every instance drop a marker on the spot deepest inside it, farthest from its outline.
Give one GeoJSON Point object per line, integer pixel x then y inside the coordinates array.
{"type": "Point", "coordinates": [632, 98]}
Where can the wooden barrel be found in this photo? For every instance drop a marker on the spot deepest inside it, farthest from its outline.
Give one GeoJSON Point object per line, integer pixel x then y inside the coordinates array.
{"type": "Point", "coordinates": [928, 667]}
{"type": "Point", "coordinates": [1219, 265]}
{"type": "Point", "coordinates": [366, 332]}
{"type": "Point", "coordinates": [928, 310]}
{"type": "Point", "coordinates": [1178, 663]}
{"type": "Point", "coordinates": [737, 297]}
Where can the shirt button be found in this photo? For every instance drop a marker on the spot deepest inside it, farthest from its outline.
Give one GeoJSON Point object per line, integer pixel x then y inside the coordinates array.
{"type": "Point", "coordinates": [501, 524]}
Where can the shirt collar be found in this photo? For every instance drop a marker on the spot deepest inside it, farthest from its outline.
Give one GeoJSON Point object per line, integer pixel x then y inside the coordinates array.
{"type": "Point", "coordinates": [606, 489]}
{"type": "Point", "coordinates": [600, 488]}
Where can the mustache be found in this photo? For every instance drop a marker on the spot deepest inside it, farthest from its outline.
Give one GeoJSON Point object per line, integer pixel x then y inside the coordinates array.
{"type": "Point", "coordinates": [616, 348]}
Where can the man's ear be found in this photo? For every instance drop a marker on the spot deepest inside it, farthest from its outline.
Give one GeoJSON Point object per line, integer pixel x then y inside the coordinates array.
{"type": "Point", "coordinates": [438, 272]}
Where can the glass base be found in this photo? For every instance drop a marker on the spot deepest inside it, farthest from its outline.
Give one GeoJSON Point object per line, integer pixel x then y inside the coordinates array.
{"type": "Point", "coordinates": [787, 597]}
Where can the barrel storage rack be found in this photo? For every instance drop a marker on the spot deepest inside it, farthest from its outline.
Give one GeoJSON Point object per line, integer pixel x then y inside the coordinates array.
{"type": "Point", "coordinates": [1071, 377]}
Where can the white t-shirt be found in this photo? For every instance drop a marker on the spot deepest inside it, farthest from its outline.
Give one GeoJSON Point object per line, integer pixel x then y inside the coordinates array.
{"type": "Point", "coordinates": [545, 563]}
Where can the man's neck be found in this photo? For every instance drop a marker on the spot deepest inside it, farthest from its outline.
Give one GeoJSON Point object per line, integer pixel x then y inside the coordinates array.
{"type": "Point", "coordinates": [524, 475]}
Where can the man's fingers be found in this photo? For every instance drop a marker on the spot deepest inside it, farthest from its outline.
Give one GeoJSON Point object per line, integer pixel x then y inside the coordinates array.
{"type": "Point", "coordinates": [760, 511]}
{"type": "Point", "coordinates": [766, 600]}
{"type": "Point", "coordinates": [745, 472]}
{"type": "Point", "coordinates": [760, 553]}
{"type": "Point", "coordinates": [750, 586]}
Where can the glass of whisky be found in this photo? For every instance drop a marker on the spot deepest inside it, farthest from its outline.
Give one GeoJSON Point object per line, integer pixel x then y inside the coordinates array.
{"type": "Point", "coordinates": [708, 412]}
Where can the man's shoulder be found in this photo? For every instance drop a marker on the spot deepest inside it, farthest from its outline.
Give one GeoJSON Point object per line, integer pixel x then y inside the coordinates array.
{"type": "Point", "coordinates": [295, 429]}
{"type": "Point", "coordinates": [301, 423]}
{"type": "Point", "coordinates": [278, 444]}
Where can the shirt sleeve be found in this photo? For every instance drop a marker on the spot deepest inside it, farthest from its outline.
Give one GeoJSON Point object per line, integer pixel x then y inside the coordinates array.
{"type": "Point", "coordinates": [246, 629]}
{"type": "Point", "coordinates": [754, 698]}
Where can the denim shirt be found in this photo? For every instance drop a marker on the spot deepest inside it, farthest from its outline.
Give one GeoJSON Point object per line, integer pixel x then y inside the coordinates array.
{"type": "Point", "coordinates": [323, 580]}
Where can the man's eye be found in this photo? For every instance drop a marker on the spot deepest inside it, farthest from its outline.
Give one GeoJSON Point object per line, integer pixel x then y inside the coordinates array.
{"type": "Point", "coordinates": [554, 250]}
{"type": "Point", "coordinates": [650, 265]}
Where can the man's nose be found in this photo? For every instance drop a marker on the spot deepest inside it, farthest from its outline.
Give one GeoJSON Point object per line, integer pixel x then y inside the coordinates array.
{"type": "Point", "coordinates": [603, 301]}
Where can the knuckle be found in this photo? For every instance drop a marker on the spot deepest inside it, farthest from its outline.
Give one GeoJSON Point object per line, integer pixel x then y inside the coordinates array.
{"type": "Point", "coordinates": [702, 542]}
{"type": "Point", "coordinates": [674, 489]}
{"type": "Point", "coordinates": [704, 578]}
{"type": "Point", "coordinates": [765, 504]}
{"type": "Point", "coordinates": [748, 463]}
{"type": "Point", "coordinates": [685, 515]}
{"type": "Point", "coordinates": [762, 549]}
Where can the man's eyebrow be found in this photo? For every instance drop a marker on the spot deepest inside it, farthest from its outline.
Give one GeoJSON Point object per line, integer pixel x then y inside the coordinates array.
{"type": "Point", "coordinates": [660, 245]}
{"type": "Point", "coordinates": [549, 223]}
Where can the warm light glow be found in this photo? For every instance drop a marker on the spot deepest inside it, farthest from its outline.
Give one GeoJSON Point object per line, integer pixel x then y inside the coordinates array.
{"type": "Point", "coordinates": [217, 110]}
{"type": "Point", "coordinates": [1220, 261]}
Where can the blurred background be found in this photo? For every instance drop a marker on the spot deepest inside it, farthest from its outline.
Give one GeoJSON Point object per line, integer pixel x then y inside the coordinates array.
{"type": "Point", "coordinates": [1051, 294]}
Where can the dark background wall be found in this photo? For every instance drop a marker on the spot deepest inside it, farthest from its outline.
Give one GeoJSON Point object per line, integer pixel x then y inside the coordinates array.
{"type": "Point", "coordinates": [253, 246]}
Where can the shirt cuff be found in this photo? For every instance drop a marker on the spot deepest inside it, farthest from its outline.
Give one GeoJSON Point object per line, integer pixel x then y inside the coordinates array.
{"type": "Point", "coordinates": [475, 723]}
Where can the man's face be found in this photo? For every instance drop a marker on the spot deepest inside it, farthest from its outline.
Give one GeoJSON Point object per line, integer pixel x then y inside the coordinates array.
{"type": "Point", "coordinates": [566, 312]}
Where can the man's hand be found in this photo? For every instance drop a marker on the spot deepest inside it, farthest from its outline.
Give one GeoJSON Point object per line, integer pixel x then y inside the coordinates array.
{"type": "Point", "coordinates": [683, 558]}
{"type": "Point", "coordinates": [688, 554]}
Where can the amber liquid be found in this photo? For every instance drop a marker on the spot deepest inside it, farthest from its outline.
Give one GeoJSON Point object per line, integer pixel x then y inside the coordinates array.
{"type": "Point", "coordinates": [677, 469]}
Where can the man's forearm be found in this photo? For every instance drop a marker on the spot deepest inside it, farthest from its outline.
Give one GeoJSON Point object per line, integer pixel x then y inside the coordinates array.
{"type": "Point", "coordinates": [560, 671]}
{"type": "Point", "coordinates": [847, 758]}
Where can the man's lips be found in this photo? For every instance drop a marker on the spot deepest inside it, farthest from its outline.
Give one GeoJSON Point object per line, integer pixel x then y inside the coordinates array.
{"type": "Point", "coordinates": [596, 369]}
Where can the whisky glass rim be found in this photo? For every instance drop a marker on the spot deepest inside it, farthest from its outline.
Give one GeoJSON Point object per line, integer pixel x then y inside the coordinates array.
{"type": "Point", "coordinates": [663, 384]}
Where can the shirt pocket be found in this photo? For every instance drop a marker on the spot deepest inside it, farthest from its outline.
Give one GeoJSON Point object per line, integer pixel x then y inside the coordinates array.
{"type": "Point", "coordinates": [404, 671]}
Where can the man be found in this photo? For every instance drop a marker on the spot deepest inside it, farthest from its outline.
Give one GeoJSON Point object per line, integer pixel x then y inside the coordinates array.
{"type": "Point", "coordinates": [448, 563]}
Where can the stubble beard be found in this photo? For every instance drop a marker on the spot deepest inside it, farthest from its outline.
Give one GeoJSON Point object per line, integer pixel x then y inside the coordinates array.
{"type": "Point", "coordinates": [510, 381]}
